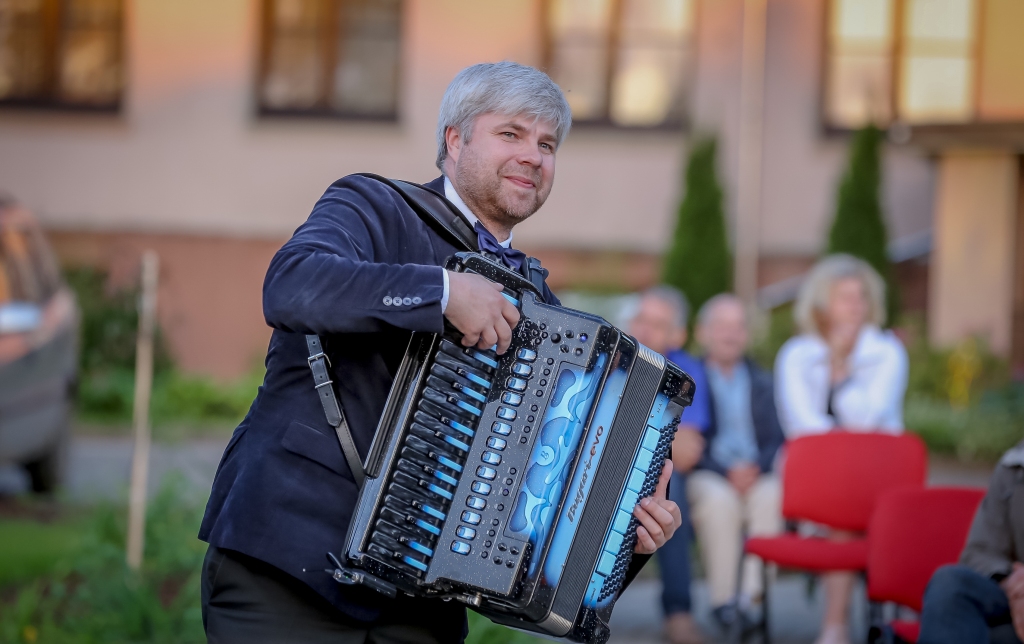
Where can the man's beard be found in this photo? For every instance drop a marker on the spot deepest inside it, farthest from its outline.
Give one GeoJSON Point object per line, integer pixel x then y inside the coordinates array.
{"type": "Point", "coordinates": [490, 196]}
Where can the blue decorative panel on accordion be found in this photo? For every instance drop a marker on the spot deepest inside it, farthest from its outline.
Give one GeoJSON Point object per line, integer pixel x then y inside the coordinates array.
{"type": "Point", "coordinates": [508, 482]}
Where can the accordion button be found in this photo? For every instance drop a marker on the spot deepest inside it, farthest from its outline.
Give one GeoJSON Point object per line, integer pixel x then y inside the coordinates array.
{"type": "Point", "coordinates": [501, 428]}
{"type": "Point", "coordinates": [510, 398]}
{"type": "Point", "coordinates": [485, 472]}
{"type": "Point", "coordinates": [514, 550]}
{"type": "Point", "coordinates": [472, 518]}
{"type": "Point", "coordinates": [606, 563]}
{"type": "Point", "coordinates": [621, 523]}
{"type": "Point", "coordinates": [614, 543]}
{"type": "Point", "coordinates": [629, 499]}
{"type": "Point", "coordinates": [636, 480]}
{"type": "Point", "coordinates": [481, 488]}
{"type": "Point", "coordinates": [522, 369]}
{"type": "Point", "coordinates": [476, 503]}
{"type": "Point", "coordinates": [465, 533]}
{"type": "Point", "coordinates": [651, 437]}
{"type": "Point", "coordinates": [526, 354]}
{"type": "Point", "coordinates": [490, 458]}
{"type": "Point", "coordinates": [461, 548]}
{"type": "Point", "coordinates": [496, 443]}
{"type": "Point", "coordinates": [506, 413]}
{"type": "Point", "coordinates": [516, 384]}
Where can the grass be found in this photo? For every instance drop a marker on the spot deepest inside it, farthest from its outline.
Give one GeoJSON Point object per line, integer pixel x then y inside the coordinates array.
{"type": "Point", "coordinates": [32, 549]}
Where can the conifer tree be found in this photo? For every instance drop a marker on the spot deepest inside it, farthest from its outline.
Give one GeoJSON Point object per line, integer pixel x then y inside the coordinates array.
{"type": "Point", "coordinates": [699, 262]}
{"type": "Point", "coordinates": [859, 226]}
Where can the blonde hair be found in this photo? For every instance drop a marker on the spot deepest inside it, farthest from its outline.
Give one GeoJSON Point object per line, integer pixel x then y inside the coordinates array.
{"type": "Point", "coordinates": [816, 290]}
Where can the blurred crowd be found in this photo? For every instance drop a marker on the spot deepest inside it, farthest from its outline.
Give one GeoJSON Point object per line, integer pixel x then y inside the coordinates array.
{"type": "Point", "coordinates": [844, 370]}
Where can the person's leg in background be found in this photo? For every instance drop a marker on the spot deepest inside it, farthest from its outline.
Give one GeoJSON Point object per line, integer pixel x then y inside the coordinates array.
{"type": "Point", "coordinates": [961, 605]}
{"type": "Point", "coordinates": [838, 591]}
{"type": "Point", "coordinates": [674, 566]}
{"type": "Point", "coordinates": [717, 512]}
{"type": "Point", "coordinates": [763, 515]}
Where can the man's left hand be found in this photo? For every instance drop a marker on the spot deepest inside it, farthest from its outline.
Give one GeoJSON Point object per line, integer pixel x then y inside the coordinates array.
{"type": "Point", "coordinates": [659, 518]}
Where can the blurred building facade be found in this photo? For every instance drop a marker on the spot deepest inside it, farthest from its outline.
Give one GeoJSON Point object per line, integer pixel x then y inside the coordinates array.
{"type": "Point", "coordinates": [207, 130]}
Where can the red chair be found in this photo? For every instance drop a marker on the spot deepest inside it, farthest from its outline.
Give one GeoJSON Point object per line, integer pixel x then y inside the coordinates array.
{"type": "Point", "coordinates": [912, 533]}
{"type": "Point", "coordinates": [835, 480]}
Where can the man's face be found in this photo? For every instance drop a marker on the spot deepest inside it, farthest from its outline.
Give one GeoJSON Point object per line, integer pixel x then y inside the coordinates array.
{"type": "Point", "coordinates": [724, 335]}
{"type": "Point", "coordinates": [505, 171]}
{"type": "Point", "coordinates": [655, 325]}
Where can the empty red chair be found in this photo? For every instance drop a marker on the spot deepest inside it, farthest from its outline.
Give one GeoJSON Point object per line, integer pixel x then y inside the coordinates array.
{"type": "Point", "coordinates": [912, 533]}
{"type": "Point", "coordinates": [835, 480]}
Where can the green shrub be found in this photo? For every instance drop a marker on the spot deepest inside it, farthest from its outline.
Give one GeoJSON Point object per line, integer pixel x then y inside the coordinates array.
{"type": "Point", "coordinates": [699, 263]}
{"type": "Point", "coordinates": [92, 597]}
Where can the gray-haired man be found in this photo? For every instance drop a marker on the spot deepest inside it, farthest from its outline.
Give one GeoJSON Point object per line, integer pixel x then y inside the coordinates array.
{"type": "Point", "coordinates": [363, 272]}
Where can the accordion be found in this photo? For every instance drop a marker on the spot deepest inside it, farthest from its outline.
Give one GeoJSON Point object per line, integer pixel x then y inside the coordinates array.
{"type": "Point", "coordinates": [508, 482]}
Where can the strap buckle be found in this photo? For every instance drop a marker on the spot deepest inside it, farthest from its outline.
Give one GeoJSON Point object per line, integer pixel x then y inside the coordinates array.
{"type": "Point", "coordinates": [323, 355]}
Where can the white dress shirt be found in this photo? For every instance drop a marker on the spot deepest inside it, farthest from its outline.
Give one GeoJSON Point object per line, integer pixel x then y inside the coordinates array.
{"type": "Point", "coordinates": [871, 398]}
{"type": "Point", "coordinates": [453, 196]}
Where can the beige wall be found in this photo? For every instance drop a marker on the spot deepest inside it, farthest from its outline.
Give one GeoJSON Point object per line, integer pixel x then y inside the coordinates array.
{"type": "Point", "coordinates": [188, 155]}
{"type": "Point", "coordinates": [973, 258]}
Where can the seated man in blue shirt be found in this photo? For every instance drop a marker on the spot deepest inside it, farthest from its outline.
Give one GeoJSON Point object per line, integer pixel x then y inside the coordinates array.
{"type": "Point", "coordinates": [733, 485]}
{"type": "Point", "coordinates": [660, 323]}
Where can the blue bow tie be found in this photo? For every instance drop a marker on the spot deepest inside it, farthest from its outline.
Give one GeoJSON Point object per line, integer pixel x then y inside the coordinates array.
{"type": "Point", "coordinates": [489, 244]}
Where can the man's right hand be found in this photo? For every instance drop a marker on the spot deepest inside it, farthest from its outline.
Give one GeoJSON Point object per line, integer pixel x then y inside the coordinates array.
{"type": "Point", "coordinates": [1013, 586]}
{"type": "Point", "coordinates": [477, 308]}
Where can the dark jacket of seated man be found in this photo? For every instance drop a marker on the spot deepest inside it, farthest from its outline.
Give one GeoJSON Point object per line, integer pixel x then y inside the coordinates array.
{"type": "Point", "coordinates": [767, 430]}
{"type": "Point", "coordinates": [982, 598]}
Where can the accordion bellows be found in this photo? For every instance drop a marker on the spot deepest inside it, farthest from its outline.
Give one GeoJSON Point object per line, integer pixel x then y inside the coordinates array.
{"type": "Point", "coordinates": [508, 482]}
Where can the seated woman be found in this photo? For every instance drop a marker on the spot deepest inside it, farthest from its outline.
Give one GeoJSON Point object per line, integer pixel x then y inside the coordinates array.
{"type": "Point", "coordinates": [843, 371]}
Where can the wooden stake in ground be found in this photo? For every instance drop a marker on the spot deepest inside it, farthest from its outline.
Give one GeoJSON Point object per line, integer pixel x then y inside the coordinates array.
{"type": "Point", "coordinates": [140, 414]}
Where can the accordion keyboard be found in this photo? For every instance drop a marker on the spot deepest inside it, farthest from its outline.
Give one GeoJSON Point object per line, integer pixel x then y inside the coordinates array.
{"type": "Point", "coordinates": [419, 497]}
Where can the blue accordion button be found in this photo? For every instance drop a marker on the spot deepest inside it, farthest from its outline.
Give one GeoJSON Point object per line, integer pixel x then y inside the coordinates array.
{"type": "Point", "coordinates": [506, 413]}
{"type": "Point", "coordinates": [481, 488]}
{"type": "Point", "coordinates": [522, 369]}
{"type": "Point", "coordinates": [526, 354]}
{"type": "Point", "coordinates": [496, 443]}
{"type": "Point", "coordinates": [510, 398]}
{"type": "Point", "coordinates": [490, 458]}
{"type": "Point", "coordinates": [643, 459]}
{"type": "Point", "coordinates": [516, 384]}
{"type": "Point", "coordinates": [501, 428]}
{"type": "Point", "coordinates": [605, 565]}
{"type": "Point", "coordinates": [614, 542]}
{"type": "Point", "coordinates": [651, 437]}
{"type": "Point", "coordinates": [485, 472]}
{"type": "Point", "coordinates": [472, 518]}
{"type": "Point", "coordinates": [621, 523]}
{"type": "Point", "coordinates": [629, 499]}
{"type": "Point", "coordinates": [460, 548]}
{"type": "Point", "coordinates": [465, 533]}
{"type": "Point", "coordinates": [636, 480]}
{"type": "Point", "coordinates": [476, 503]}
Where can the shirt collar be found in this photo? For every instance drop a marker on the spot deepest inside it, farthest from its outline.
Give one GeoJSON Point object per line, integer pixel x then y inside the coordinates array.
{"type": "Point", "coordinates": [453, 196]}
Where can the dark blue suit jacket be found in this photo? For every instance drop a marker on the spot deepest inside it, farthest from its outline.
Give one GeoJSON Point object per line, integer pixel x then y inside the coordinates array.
{"type": "Point", "coordinates": [283, 492]}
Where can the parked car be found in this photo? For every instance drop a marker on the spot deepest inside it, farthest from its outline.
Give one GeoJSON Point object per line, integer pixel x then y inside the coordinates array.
{"type": "Point", "coordinates": [38, 351]}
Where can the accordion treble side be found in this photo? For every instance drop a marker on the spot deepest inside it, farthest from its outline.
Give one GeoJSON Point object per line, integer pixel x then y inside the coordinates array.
{"type": "Point", "coordinates": [508, 482]}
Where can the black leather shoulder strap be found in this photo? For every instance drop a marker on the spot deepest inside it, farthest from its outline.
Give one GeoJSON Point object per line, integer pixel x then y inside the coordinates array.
{"type": "Point", "coordinates": [435, 209]}
{"type": "Point", "coordinates": [318, 364]}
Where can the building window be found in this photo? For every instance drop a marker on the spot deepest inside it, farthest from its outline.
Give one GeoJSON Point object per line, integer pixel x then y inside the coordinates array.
{"type": "Point", "coordinates": [62, 53]}
{"type": "Point", "coordinates": [331, 57]}
{"type": "Point", "coordinates": [923, 62]}
{"type": "Point", "coordinates": [621, 62]}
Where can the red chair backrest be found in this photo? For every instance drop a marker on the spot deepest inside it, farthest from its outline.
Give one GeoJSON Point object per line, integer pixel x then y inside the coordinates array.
{"type": "Point", "coordinates": [836, 478]}
{"type": "Point", "coordinates": [912, 533]}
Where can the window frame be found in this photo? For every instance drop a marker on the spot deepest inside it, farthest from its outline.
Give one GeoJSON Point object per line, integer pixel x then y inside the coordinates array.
{"type": "Point", "coordinates": [331, 41]}
{"type": "Point", "coordinates": [937, 130]}
{"type": "Point", "coordinates": [53, 14]}
{"type": "Point", "coordinates": [674, 125]}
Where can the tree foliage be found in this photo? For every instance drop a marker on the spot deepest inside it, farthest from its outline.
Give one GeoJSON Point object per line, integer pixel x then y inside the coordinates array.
{"type": "Point", "coordinates": [699, 262]}
{"type": "Point", "coordinates": [859, 225]}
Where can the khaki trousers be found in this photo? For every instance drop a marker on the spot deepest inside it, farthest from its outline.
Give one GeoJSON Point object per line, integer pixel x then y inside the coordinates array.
{"type": "Point", "coordinates": [719, 516]}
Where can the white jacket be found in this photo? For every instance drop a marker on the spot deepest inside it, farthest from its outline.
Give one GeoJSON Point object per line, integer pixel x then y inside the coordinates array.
{"type": "Point", "coordinates": [870, 400]}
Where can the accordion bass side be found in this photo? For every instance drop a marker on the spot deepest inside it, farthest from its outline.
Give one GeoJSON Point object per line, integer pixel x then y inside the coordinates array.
{"type": "Point", "coordinates": [508, 482]}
